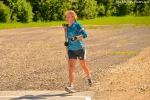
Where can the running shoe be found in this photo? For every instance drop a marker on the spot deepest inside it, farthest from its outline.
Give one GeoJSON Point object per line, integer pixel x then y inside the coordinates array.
{"type": "Point", "coordinates": [90, 82]}
{"type": "Point", "coordinates": [69, 89]}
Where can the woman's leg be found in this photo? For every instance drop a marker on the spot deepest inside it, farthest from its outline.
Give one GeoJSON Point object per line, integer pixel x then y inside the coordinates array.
{"type": "Point", "coordinates": [85, 67]}
{"type": "Point", "coordinates": [86, 70]}
{"type": "Point", "coordinates": [72, 64]}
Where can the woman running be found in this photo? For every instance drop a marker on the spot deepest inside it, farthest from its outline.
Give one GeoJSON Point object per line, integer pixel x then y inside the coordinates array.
{"type": "Point", "coordinates": [76, 49]}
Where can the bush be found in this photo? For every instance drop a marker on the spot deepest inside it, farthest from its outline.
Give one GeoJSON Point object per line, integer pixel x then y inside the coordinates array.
{"type": "Point", "coordinates": [21, 11]}
{"type": "Point", "coordinates": [85, 9]}
{"type": "Point", "coordinates": [24, 11]}
{"type": "Point", "coordinates": [4, 13]}
{"type": "Point", "coordinates": [49, 10]}
{"type": "Point", "coordinates": [53, 10]}
{"type": "Point", "coordinates": [101, 10]}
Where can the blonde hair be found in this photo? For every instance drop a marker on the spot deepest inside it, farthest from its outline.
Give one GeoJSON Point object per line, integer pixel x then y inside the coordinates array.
{"type": "Point", "coordinates": [71, 12]}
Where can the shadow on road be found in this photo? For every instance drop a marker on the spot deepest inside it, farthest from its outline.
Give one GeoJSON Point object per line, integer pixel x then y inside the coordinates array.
{"type": "Point", "coordinates": [43, 96]}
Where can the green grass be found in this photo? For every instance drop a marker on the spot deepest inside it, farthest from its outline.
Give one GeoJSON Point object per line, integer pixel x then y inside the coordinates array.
{"type": "Point", "coordinates": [122, 53]}
{"type": "Point", "coordinates": [118, 20]}
{"type": "Point", "coordinates": [97, 21]}
{"type": "Point", "coordinates": [143, 90]}
{"type": "Point", "coordinates": [31, 24]}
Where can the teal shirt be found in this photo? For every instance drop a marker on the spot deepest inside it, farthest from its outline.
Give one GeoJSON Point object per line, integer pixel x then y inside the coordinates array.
{"type": "Point", "coordinates": [72, 32]}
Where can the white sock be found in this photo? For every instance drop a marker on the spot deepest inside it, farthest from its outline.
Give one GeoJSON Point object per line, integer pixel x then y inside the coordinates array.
{"type": "Point", "coordinates": [90, 77]}
{"type": "Point", "coordinates": [71, 85]}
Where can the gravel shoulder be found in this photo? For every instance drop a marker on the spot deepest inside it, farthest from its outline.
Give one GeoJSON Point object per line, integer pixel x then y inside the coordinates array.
{"type": "Point", "coordinates": [117, 55]}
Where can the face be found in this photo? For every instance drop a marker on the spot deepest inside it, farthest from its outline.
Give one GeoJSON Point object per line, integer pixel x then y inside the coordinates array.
{"type": "Point", "coordinates": [69, 18]}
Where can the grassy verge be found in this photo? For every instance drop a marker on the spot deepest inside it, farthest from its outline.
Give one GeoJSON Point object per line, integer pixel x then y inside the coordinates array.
{"type": "Point", "coordinates": [118, 20]}
{"type": "Point", "coordinates": [96, 21]}
{"type": "Point", "coordinates": [31, 24]}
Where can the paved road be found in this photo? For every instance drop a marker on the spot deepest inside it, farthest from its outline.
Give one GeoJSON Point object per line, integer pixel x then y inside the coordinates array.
{"type": "Point", "coordinates": [46, 95]}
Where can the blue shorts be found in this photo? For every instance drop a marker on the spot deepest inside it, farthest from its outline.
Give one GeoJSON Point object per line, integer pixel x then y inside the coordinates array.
{"type": "Point", "coordinates": [74, 54]}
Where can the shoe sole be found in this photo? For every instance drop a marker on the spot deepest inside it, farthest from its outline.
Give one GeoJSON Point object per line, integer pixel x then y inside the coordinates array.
{"type": "Point", "coordinates": [90, 84]}
{"type": "Point", "coordinates": [68, 90]}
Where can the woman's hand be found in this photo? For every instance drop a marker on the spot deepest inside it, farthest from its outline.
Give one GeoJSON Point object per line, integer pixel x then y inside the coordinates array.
{"type": "Point", "coordinates": [76, 38]}
{"type": "Point", "coordinates": [66, 44]}
{"type": "Point", "coordinates": [73, 38]}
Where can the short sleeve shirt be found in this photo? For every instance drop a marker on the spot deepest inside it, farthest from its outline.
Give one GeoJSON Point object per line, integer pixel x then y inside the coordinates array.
{"type": "Point", "coordinates": [72, 32]}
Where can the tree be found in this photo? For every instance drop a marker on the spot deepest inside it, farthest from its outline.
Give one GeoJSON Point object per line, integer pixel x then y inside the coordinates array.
{"type": "Point", "coordinates": [105, 5]}
{"type": "Point", "coordinates": [123, 8]}
{"type": "Point", "coordinates": [101, 10]}
{"type": "Point", "coordinates": [142, 7]}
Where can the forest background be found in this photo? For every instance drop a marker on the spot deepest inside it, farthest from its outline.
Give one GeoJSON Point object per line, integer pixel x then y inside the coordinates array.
{"type": "Point", "coordinates": [26, 11]}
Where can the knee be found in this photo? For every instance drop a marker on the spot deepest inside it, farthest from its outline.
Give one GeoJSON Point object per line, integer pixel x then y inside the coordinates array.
{"type": "Point", "coordinates": [71, 68]}
{"type": "Point", "coordinates": [83, 66]}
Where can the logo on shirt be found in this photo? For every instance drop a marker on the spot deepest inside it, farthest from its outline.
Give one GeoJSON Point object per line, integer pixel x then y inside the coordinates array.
{"type": "Point", "coordinates": [80, 57]}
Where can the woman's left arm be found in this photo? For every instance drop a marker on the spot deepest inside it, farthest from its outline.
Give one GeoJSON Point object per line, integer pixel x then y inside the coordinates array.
{"type": "Point", "coordinates": [83, 34]}
{"type": "Point", "coordinates": [79, 37]}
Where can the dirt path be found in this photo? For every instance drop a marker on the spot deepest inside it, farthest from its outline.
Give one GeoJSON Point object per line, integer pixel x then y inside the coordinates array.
{"type": "Point", "coordinates": [35, 59]}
